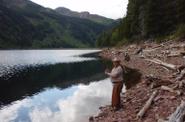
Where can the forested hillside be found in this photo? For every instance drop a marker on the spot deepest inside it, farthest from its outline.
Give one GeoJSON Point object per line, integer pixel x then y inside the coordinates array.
{"type": "Point", "coordinates": [24, 24]}
{"type": "Point", "coordinates": [148, 20]}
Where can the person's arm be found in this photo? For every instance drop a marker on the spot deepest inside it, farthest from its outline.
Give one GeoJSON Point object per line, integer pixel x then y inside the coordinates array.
{"type": "Point", "coordinates": [115, 73]}
{"type": "Point", "coordinates": [112, 74]}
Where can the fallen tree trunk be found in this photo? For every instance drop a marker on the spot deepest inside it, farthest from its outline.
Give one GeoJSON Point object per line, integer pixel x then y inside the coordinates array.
{"type": "Point", "coordinates": [180, 77]}
{"type": "Point", "coordinates": [176, 54]}
{"type": "Point", "coordinates": [166, 88]}
{"type": "Point", "coordinates": [181, 84]}
{"type": "Point", "coordinates": [150, 50]}
{"type": "Point", "coordinates": [147, 105]}
{"type": "Point", "coordinates": [179, 114]}
{"type": "Point", "coordinates": [166, 43]}
{"type": "Point", "coordinates": [161, 120]}
{"type": "Point", "coordinates": [167, 65]}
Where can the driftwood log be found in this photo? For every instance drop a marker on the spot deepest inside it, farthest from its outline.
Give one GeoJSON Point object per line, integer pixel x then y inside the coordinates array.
{"type": "Point", "coordinates": [181, 84]}
{"type": "Point", "coordinates": [179, 114]}
{"type": "Point", "coordinates": [147, 105]}
{"type": "Point", "coordinates": [176, 54]}
{"type": "Point", "coordinates": [182, 74]}
{"type": "Point", "coordinates": [167, 65]}
{"type": "Point", "coordinates": [166, 88]}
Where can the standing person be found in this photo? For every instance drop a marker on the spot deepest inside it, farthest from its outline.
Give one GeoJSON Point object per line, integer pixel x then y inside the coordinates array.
{"type": "Point", "coordinates": [117, 79]}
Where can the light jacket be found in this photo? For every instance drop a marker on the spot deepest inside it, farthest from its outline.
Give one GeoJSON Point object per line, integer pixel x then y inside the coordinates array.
{"type": "Point", "coordinates": [116, 74]}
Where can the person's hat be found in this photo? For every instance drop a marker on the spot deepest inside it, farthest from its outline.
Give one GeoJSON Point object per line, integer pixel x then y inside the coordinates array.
{"type": "Point", "coordinates": [116, 60]}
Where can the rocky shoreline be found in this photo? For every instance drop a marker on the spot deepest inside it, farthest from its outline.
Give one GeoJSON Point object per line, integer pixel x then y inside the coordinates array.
{"type": "Point", "coordinates": [162, 67]}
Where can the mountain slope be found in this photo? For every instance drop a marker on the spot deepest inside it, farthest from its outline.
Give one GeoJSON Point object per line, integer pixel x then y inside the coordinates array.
{"type": "Point", "coordinates": [84, 15]}
{"type": "Point", "coordinates": [25, 24]}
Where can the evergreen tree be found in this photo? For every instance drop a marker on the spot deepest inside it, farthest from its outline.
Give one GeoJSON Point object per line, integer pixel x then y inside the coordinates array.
{"type": "Point", "coordinates": [148, 19]}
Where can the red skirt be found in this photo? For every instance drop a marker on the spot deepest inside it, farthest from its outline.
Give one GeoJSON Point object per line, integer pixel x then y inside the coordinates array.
{"type": "Point", "coordinates": [117, 88]}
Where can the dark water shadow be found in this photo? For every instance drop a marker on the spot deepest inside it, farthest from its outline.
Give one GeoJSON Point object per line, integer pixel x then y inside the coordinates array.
{"type": "Point", "coordinates": [96, 55]}
{"type": "Point", "coordinates": [32, 80]}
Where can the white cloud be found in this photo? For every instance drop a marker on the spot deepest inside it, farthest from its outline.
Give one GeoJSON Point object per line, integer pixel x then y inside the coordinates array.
{"type": "Point", "coordinates": [108, 8]}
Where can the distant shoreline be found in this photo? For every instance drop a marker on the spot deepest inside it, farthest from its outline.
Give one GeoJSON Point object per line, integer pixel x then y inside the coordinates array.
{"type": "Point", "coordinates": [53, 49]}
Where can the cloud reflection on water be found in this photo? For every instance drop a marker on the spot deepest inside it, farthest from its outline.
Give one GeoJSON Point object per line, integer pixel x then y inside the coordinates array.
{"type": "Point", "coordinates": [85, 101]}
{"type": "Point", "coordinates": [10, 113]}
{"type": "Point", "coordinates": [77, 107]}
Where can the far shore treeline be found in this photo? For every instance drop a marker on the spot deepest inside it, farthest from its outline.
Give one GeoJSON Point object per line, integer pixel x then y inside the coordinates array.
{"type": "Point", "coordinates": [148, 20]}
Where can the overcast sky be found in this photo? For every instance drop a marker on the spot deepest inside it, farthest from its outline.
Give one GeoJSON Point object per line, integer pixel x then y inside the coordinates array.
{"type": "Point", "coordinates": [109, 8]}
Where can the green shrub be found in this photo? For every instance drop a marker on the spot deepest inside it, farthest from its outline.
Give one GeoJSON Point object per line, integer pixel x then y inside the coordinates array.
{"type": "Point", "coordinates": [180, 33]}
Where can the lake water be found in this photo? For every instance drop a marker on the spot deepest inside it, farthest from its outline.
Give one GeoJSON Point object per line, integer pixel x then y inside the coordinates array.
{"type": "Point", "coordinates": [51, 85]}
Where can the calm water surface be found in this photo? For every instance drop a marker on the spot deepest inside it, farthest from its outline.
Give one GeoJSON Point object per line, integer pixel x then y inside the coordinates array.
{"type": "Point", "coordinates": [51, 85]}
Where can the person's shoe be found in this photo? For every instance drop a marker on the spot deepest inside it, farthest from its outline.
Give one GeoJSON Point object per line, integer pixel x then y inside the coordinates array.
{"type": "Point", "coordinates": [115, 109]}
